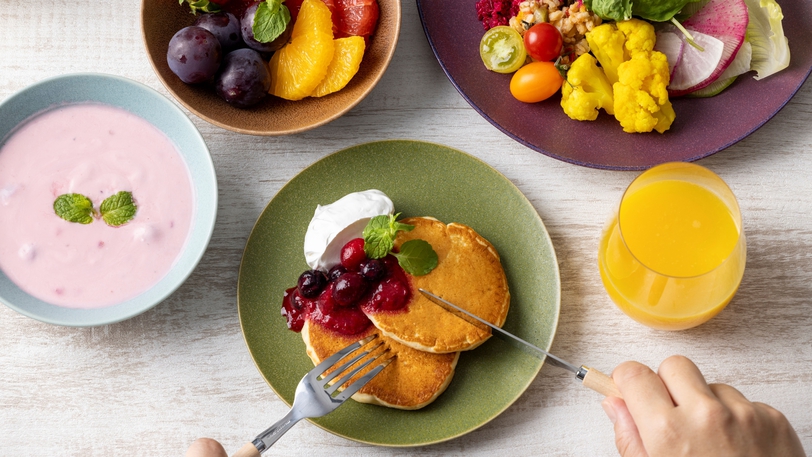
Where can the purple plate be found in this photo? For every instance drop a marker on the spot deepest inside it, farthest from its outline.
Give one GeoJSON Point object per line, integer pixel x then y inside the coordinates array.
{"type": "Point", "coordinates": [702, 127]}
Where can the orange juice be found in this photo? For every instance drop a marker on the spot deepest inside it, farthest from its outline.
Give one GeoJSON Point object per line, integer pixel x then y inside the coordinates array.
{"type": "Point", "coordinates": [674, 255]}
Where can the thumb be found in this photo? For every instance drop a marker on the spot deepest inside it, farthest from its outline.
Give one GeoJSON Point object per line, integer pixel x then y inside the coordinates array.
{"type": "Point", "coordinates": [627, 437]}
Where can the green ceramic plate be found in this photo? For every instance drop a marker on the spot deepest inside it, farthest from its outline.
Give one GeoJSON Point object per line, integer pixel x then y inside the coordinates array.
{"type": "Point", "coordinates": [422, 179]}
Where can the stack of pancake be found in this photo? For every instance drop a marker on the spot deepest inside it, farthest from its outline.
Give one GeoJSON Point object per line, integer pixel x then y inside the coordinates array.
{"type": "Point", "coordinates": [425, 338]}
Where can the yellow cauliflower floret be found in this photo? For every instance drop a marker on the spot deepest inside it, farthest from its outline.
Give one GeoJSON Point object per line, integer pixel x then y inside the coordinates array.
{"type": "Point", "coordinates": [586, 90]}
{"type": "Point", "coordinates": [640, 36]}
{"type": "Point", "coordinates": [640, 95]}
{"type": "Point", "coordinates": [606, 43]}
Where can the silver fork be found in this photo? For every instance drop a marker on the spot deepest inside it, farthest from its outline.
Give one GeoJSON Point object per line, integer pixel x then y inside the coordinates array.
{"type": "Point", "coordinates": [316, 396]}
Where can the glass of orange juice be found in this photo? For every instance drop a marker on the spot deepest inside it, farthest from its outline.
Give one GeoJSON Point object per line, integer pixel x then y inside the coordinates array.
{"type": "Point", "coordinates": [673, 255]}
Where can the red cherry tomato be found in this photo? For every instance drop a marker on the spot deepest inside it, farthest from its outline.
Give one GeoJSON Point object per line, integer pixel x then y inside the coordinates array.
{"type": "Point", "coordinates": [535, 82]}
{"type": "Point", "coordinates": [543, 42]}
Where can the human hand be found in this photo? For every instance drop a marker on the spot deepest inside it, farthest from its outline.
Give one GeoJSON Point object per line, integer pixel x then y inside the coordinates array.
{"type": "Point", "coordinates": [206, 447]}
{"type": "Point", "coordinates": [674, 412]}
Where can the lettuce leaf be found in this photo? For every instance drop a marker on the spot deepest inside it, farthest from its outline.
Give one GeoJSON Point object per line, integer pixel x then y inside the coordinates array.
{"type": "Point", "coordinates": [766, 34]}
{"type": "Point", "coordinates": [652, 10]}
{"type": "Point", "coordinates": [615, 10]}
{"type": "Point", "coordinates": [658, 10]}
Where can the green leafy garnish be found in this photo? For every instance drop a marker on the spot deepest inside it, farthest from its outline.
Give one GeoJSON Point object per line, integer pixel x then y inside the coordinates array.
{"type": "Point", "coordinates": [270, 21]}
{"type": "Point", "coordinates": [652, 10]}
{"type": "Point", "coordinates": [379, 235]}
{"type": "Point", "coordinates": [74, 208]}
{"type": "Point", "coordinates": [416, 257]}
{"type": "Point", "coordinates": [617, 10]}
{"type": "Point", "coordinates": [118, 209]}
{"type": "Point", "coordinates": [204, 6]}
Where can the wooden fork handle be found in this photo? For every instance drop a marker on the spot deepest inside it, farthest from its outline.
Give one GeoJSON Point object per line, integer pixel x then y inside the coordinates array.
{"type": "Point", "coordinates": [249, 450]}
{"type": "Point", "coordinates": [600, 383]}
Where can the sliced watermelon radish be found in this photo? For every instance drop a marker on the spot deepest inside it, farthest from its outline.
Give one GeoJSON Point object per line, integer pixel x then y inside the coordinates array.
{"type": "Point", "coordinates": [697, 66]}
{"type": "Point", "coordinates": [725, 20]}
{"type": "Point", "coordinates": [671, 44]}
{"type": "Point", "coordinates": [740, 65]}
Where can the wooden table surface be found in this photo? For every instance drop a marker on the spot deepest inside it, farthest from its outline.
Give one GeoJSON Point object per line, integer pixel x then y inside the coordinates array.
{"type": "Point", "coordinates": [151, 385]}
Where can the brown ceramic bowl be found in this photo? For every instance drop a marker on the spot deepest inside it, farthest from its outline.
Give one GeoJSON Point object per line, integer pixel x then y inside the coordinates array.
{"type": "Point", "coordinates": [160, 19]}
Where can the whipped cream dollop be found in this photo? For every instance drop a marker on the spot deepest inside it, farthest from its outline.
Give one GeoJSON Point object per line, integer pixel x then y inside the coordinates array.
{"type": "Point", "coordinates": [335, 224]}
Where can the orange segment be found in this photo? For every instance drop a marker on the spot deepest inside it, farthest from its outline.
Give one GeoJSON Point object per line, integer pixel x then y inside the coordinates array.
{"type": "Point", "coordinates": [346, 61]}
{"type": "Point", "coordinates": [300, 65]}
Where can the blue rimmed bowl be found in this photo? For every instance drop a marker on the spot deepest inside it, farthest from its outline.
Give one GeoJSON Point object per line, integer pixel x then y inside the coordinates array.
{"type": "Point", "coordinates": [167, 117]}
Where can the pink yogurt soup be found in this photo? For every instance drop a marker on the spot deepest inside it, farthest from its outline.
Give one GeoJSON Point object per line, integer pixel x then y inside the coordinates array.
{"type": "Point", "coordinates": [94, 150]}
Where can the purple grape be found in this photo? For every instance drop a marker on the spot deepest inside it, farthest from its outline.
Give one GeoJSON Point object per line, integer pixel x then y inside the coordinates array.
{"type": "Point", "coordinates": [225, 27]}
{"type": "Point", "coordinates": [348, 288]}
{"type": "Point", "coordinates": [244, 79]}
{"type": "Point", "coordinates": [246, 25]}
{"type": "Point", "coordinates": [194, 54]}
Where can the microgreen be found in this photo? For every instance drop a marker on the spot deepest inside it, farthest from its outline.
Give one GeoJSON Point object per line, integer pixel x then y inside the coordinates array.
{"type": "Point", "coordinates": [204, 6]}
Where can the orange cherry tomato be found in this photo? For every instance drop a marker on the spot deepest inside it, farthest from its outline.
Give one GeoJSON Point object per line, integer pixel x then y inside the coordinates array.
{"type": "Point", "coordinates": [535, 82]}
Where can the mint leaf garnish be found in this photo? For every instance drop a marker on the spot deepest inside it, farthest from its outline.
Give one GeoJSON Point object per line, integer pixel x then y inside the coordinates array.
{"type": "Point", "coordinates": [416, 257]}
{"type": "Point", "coordinates": [379, 235]}
{"type": "Point", "coordinates": [74, 208]}
{"type": "Point", "coordinates": [118, 209]}
{"type": "Point", "coordinates": [204, 6]}
{"type": "Point", "coordinates": [270, 20]}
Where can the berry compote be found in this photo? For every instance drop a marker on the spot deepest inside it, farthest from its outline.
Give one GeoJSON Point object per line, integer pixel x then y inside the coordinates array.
{"type": "Point", "coordinates": [341, 300]}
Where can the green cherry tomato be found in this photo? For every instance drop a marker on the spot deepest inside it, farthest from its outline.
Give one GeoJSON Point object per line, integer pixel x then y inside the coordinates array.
{"type": "Point", "coordinates": [502, 49]}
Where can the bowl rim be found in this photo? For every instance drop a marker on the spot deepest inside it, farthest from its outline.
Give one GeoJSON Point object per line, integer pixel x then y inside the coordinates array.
{"type": "Point", "coordinates": [396, 8]}
{"type": "Point", "coordinates": [203, 219]}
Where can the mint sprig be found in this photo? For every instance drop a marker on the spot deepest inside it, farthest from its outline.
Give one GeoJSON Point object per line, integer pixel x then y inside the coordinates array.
{"type": "Point", "coordinates": [379, 235]}
{"type": "Point", "coordinates": [74, 208]}
{"type": "Point", "coordinates": [116, 210]}
{"type": "Point", "coordinates": [416, 257]}
{"type": "Point", "coordinates": [270, 20]}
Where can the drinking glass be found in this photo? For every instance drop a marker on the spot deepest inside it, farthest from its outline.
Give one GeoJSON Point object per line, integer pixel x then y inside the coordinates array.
{"type": "Point", "coordinates": [672, 256]}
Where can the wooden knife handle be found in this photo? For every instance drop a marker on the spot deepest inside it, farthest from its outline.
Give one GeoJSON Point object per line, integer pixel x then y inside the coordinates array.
{"type": "Point", "coordinates": [249, 450]}
{"type": "Point", "coordinates": [601, 383]}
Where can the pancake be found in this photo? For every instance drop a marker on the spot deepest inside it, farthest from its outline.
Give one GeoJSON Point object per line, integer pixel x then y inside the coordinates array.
{"type": "Point", "coordinates": [411, 381]}
{"type": "Point", "coordinates": [468, 274]}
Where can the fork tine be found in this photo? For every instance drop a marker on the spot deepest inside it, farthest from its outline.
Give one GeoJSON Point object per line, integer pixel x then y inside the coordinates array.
{"type": "Point", "coordinates": [333, 359]}
{"type": "Point", "coordinates": [333, 387]}
{"type": "Point", "coordinates": [335, 373]}
{"type": "Point", "coordinates": [363, 380]}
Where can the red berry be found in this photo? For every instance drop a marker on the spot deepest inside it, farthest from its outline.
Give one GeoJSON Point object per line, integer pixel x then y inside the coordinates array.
{"type": "Point", "coordinates": [348, 288]}
{"type": "Point", "coordinates": [352, 254]}
{"type": "Point", "coordinates": [311, 283]}
{"type": "Point", "coordinates": [390, 295]}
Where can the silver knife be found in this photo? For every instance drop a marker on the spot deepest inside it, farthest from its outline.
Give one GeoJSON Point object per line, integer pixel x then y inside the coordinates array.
{"type": "Point", "coordinates": [590, 377]}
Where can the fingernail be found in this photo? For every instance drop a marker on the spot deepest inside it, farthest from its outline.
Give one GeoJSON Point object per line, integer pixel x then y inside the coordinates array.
{"type": "Point", "coordinates": [609, 410]}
